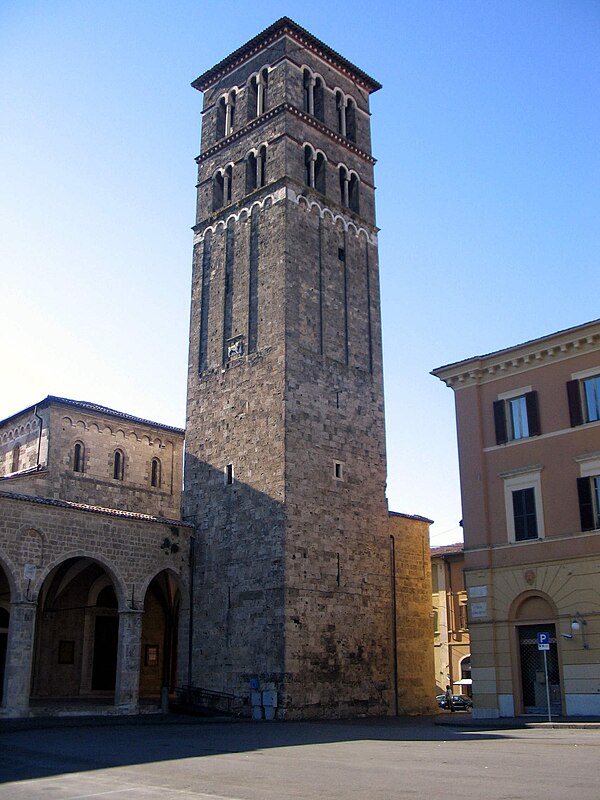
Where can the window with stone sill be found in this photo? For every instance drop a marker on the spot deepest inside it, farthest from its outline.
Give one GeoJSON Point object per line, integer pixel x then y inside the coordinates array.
{"type": "Point", "coordinates": [523, 503]}
{"type": "Point", "coordinates": [516, 416]}
{"type": "Point", "coordinates": [583, 394]}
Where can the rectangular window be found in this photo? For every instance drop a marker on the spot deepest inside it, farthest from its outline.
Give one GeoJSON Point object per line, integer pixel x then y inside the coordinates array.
{"type": "Point", "coordinates": [229, 475]}
{"type": "Point", "coordinates": [588, 490]}
{"type": "Point", "coordinates": [338, 470]}
{"type": "Point", "coordinates": [524, 514]}
{"type": "Point", "coordinates": [591, 393]}
{"type": "Point", "coordinates": [583, 393]}
{"type": "Point", "coordinates": [463, 618]}
{"type": "Point", "coordinates": [519, 426]}
{"type": "Point", "coordinates": [516, 417]}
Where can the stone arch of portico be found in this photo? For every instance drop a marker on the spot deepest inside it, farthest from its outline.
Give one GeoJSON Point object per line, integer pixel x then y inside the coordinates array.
{"type": "Point", "coordinates": [110, 569]}
{"type": "Point", "coordinates": [165, 609]}
{"type": "Point", "coordinates": [10, 571]}
{"type": "Point", "coordinates": [76, 640]}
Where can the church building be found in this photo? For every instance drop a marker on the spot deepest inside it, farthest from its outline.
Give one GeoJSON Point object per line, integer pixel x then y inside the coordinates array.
{"type": "Point", "coordinates": [302, 596]}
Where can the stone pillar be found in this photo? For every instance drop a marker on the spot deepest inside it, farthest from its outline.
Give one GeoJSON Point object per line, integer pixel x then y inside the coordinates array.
{"type": "Point", "coordinates": [19, 659]}
{"type": "Point", "coordinates": [127, 689]}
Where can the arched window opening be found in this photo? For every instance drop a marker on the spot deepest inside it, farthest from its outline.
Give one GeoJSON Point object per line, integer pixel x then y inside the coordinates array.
{"type": "Point", "coordinates": [16, 454]}
{"type": "Point", "coordinates": [261, 169]}
{"type": "Point", "coordinates": [344, 186]}
{"type": "Point", "coordinates": [218, 191]}
{"type": "Point", "coordinates": [252, 94]}
{"type": "Point", "coordinates": [118, 465]}
{"type": "Point", "coordinates": [309, 165]}
{"type": "Point", "coordinates": [230, 112]}
{"type": "Point", "coordinates": [353, 202]}
{"type": "Point", "coordinates": [251, 162]}
{"type": "Point", "coordinates": [228, 184]}
{"type": "Point", "coordinates": [340, 105]}
{"type": "Point", "coordinates": [319, 100]}
{"type": "Point", "coordinates": [261, 94]}
{"type": "Point", "coordinates": [307, 91]}
{"type": "Point", "coordinates": [78, 457]}
{"type": "Point", "coordinates": [155, 477]}
{"type": "Point", "coordinates": [221, 114]}
{"type": "Point", "coordinates": [350, 114]}
{"type": "Point", "coordinates": [320, 173]}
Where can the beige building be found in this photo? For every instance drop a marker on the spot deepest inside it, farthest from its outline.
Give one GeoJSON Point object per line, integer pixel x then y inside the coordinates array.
{"type": "Point", "coordinates": [451, 643]}
{"type": "Point", "coordinates": [94, 559]}
{"type": "Point", "coordinates": [528, 422]}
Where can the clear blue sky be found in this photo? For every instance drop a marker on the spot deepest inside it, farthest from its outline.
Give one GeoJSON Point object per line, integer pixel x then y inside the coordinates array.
{"type": "Point", "coordinates": [487, 136]}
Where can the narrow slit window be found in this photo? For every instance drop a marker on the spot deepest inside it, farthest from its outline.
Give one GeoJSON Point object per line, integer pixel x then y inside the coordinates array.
{"type": "Point", "coordinates": [118, 465]}
{"type": "Point", "coordinates": [229, 475]}
{"type": "Point", "coordinates": [78, 457]}
{"type": "Point", "coordinates": [155, 473]}
{"type": "Point", "coordinates": [338, 470]}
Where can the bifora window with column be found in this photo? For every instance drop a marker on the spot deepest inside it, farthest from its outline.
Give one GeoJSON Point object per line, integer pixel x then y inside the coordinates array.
{"type": "Point", "coordinates": [313, 94]}
{"type": "Point", "coordinates": [256, 168]}
{"type": "Point", "coordinates": [256, 92]}
{"type": "Point", "coordinates": [226, 114]}
{"type": "Point", "coordinates": [346, 115]}
{"type": "Point", "coordinates": [314, 168]}
{"type": "Point", "coordinates": [349, 189]}
{"type": "Point", "coordinates": [222, 187]}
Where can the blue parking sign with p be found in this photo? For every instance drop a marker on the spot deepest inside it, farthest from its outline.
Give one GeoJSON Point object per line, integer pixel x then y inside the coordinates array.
{"type": "Point", "coordinates": [543, 640]}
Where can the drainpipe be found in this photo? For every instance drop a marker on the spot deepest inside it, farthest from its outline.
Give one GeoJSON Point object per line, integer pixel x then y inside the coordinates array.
{"type": "Point", "coordinates": [394, 625]}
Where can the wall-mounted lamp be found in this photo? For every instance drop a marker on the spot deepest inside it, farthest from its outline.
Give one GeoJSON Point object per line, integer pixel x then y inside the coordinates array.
{"type": "Point", "coordinates": [578, 623]}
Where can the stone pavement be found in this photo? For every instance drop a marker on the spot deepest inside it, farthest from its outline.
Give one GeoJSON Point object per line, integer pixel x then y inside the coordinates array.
{"type": "Point", "coordinates": [379, 759]}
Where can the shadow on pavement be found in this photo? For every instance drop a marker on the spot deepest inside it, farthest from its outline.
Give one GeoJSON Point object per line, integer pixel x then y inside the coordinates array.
{"type": "Point", "coordinates": [40, 748]}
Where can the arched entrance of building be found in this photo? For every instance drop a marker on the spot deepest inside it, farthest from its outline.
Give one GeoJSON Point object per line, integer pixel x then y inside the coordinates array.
{"type": "Point", "coordinates": [4, 620]}
{"type": "Point", "coordinates": [77, 632]}
{"type": "Point", "coordinates": [160, 629]}
{"type": "Point", "coordinates": [533, 614]}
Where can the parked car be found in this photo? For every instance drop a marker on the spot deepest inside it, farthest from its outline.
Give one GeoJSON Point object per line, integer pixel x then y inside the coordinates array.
{"type": "Point", "coordinates": [460, 702]}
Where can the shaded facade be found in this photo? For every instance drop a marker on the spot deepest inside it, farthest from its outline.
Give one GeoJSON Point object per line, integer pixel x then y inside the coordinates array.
{"type": "Point", "coordinates": [285, 451]}
{"type": "Point", "coordinates": [93, 558]}
{"type": "Point", "coordinates": [528, 421]}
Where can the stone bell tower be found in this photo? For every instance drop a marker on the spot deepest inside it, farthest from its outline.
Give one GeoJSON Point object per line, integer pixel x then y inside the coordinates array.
{"type": "Point", "coordinates": [285, 455]}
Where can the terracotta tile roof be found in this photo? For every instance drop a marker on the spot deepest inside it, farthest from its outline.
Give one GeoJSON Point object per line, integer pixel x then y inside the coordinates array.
{"type": "Point", "coordinates": [448, 550]}
{"type": "Point", "coordinates": [111, 512]}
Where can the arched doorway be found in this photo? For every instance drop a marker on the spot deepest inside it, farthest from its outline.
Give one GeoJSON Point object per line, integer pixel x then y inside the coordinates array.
{"type": "Point", "coordinates": [535, 614]}
{"type": "Point", "coordinates": [160, 628]}
{"type": "Point", "coordinates": [76, 633]}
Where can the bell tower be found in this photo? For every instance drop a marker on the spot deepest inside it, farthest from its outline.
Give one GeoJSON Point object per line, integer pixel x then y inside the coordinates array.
{"type": "Point", "coordinates": [285, 455]}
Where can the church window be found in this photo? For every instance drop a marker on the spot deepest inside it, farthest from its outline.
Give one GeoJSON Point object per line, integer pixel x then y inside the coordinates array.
{"type": "Point", "coordinates": [349, 189]}
{"type": "Point", "coordinates": [222, 183]}
{"type": "Point", "coordinates": [314, 169]}
{"type": "Point", "coordinates": [155, 473]}
{"type": "Point", "coordinates": [313, 91]}
{"type": "Point", "coordinates": [256, 168]}
{"type": "Point", "coordinates": [118, 465]}
{"type": "Point", "coordinates": [340, 105]}
{"type": "Point", "coordinates": [78, 457]}
{"type": "Point", "coordinates": [257, 94]}
{"type": "Point", "coordinates": [350, 113]}
{"type": "Point", "coordinates": [15, 458]}
{"type": "Point", "coordinates": [226, 108]}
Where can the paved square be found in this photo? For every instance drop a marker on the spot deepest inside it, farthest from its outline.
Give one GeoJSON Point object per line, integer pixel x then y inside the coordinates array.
{"type": "Point", "coordinates": [373, 759]}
